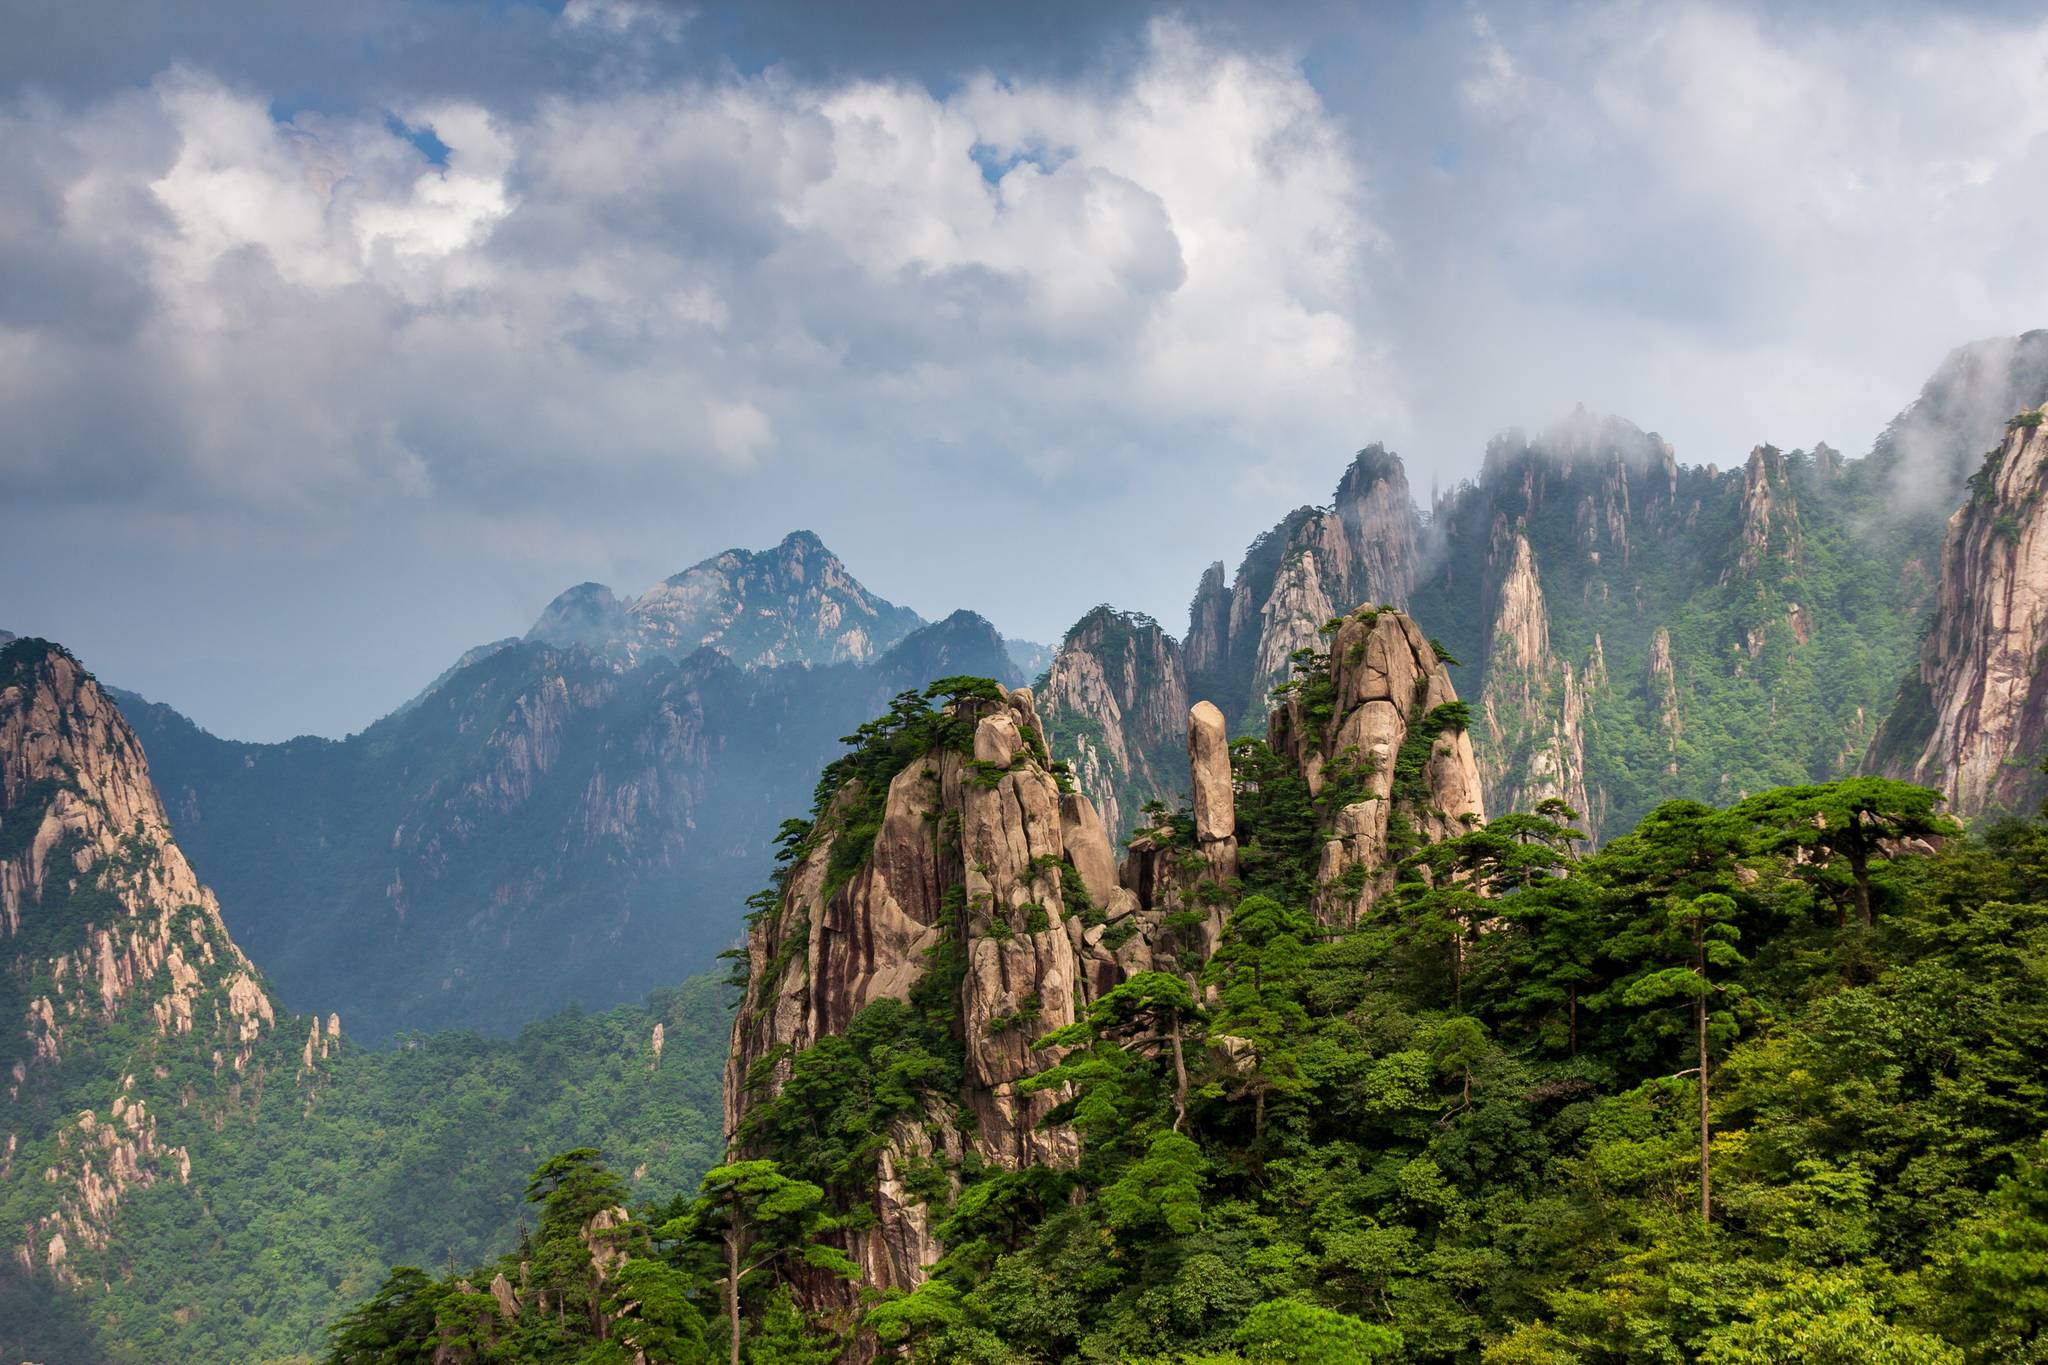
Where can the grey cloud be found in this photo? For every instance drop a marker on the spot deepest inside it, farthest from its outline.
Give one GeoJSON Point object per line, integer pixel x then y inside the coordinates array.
{"type": "Point", "coordinates": [687, 285]}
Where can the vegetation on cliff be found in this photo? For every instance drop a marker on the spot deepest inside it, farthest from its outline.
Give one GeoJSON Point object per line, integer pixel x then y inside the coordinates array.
{"type": "Point", "coordinates": [1743, 1085]}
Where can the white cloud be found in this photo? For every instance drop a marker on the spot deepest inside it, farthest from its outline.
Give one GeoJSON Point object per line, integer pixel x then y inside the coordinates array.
{"type": "Point", "coordinates": [709, 275]}
{"type": "Point", "coordinates": [1731, 222]}
{"type": "Point", "coordinates": [623, 16]}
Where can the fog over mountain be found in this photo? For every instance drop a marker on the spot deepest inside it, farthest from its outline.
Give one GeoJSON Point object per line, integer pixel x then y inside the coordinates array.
{"type": "Point", "coordinates": [354, 335]}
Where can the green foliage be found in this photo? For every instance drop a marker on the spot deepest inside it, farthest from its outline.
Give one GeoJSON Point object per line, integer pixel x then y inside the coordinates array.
{"type": "Point", "coordinates": [854, 788]}
{"type": "Point", "coordinates": [586, 1288]}
{"type": "Point", "coordinates": [1302, 1333]}
{"type": "Point", "coordinates": [1388, 1149]}
{"type": "Point", "coordinates": [306, 1187]}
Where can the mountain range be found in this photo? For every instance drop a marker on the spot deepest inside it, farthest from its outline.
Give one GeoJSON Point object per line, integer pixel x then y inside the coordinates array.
{"type": "Point", "coordinates": [569, 818]}
{"type": "Point", "coordinates": [206, 1153]}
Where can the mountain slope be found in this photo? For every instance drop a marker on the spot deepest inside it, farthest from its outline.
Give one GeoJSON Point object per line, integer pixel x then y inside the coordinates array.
{"type": "Point", "coordinates": [546, 827]}
{"type": "Point", "coordinates": [1972, 720]}
{"type": "Point", "coordinates": [795, 603]}
{"type": "Point", "coordinates": [187, 1173]}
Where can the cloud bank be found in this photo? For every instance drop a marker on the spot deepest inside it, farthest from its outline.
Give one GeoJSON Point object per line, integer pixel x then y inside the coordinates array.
{"type": "Point", "coordinates": [1017, 317]}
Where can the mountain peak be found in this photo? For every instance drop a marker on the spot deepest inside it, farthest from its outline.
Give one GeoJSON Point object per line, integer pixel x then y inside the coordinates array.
{"type": "Point", "coordinates": [794, 603]}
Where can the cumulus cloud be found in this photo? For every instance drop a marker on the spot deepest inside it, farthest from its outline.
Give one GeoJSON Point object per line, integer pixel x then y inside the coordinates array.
{"type": "Point", "coordinates": [677, 279]}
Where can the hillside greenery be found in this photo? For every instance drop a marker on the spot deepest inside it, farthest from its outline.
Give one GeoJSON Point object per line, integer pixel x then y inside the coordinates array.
{"type": "Point", "coordinates": [1783, 669]}
{"type": "Point", "coordinates": [305, 1187]}
{"type": "Point", "coordinates": [1468, 1129]}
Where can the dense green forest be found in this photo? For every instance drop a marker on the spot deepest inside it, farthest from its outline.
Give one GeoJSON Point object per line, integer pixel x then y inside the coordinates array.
{"type": "Point", "coordinates": [1469, 1128]}
{"type": "Point", "coordinates": [1781, 670]}
{"type": "Point", "coordinates": [306, 1186]}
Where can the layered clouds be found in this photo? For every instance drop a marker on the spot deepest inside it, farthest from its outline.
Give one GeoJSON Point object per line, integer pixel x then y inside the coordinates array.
{"type": "Point", "coordinates": [1025, 319]}
{"type": "Point", "coordinates": [1732, 222]}
{"type": "Point", "coordinates": [668, 286]}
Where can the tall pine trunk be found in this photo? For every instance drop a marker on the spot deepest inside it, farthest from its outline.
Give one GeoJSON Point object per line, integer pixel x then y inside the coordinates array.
{"type": "Point", "coordinates": [1180, 1077]}
{"type": "Point", "coordinates": [732, 1287]}
{"type": "Point", "coordinates": [1706, 1175]}
{"type": "Point", "coordinates": [1699, 947]}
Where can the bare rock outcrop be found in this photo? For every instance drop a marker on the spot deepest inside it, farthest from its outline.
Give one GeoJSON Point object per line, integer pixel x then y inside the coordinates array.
{"type": "Point", "coordinates": [1393, 761]}
{"type": "Point", "coordinates": [1115, 702]}
{"type": "Point", "coordinates": [1662, 681]}
{"type": "Point", "coordinates": [980, 852]}
{"type": "Point", "coordinates": [1533, 706]}
{"type": "Point", "coordinates": [1770, 515]}
{"type": "Point", "coordinates": [1209, 764]}
{"type": "Point", "coordinates": [1973, 720]}
{"type": "Point", "coordinates": [978, 863]}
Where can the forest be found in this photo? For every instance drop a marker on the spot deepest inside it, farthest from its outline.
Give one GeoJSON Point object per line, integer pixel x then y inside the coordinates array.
{"type": "Point", "coordinates": [328, 1176]}
{"type": "Point", "coordinates": [1751, 1083]}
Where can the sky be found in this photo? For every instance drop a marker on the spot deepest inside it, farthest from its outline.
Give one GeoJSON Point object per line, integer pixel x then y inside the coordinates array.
{"type": "Point", "coordinates": [335, 339]}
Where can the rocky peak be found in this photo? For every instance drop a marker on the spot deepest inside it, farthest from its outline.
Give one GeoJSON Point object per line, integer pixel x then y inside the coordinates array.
{"type": "Point", "coordinates": [1317, 563]}
{"type": "Point", "coordinates": [1381, 739]}
{"type": "Point", "coordinates": [965, 642]}
{"type": "Point", "coordinates": [1377, 511]}
{"type": "Point", "coordinates": [1115, 703]}
{"type": "Point", "coordinates": [1533, 705]}
{"type": "Point", "coordinates": [1209, 622]}
{"type": "Point", "coordinates": [1770, 514]}
{"type": "Point", "coordinates": [977, 859]}
{"type": "Point", "coordinates": [587, 614]}
{"type": "Point", "coordinates": [980, 893]}
{"type": "Point", "coordinates": [795, 603]}
{"type": "Point", "coordinates": [1974, 719]}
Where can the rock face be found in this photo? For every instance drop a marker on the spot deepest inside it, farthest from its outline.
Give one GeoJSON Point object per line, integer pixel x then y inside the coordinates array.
{"type": "Point", "coordinates": [1115, 705]}
{"type": "Point", "coordinates": [971, 854]}
{"type": "Point", "coordinates": [1533, 707]}
{"type": "Point", "coordinates": [795, 603]}
{"type": "Point", "coordinates": [1973, 720]}
{"type": "Point", "coordinates": [1393, 761]}
{"type": "Point", "coordinates": [1209, 765]}
{"type": "Point", "coordinates": [1770, 515]}
{"type": "Point", "coordinates": [980, 860]}
{"type": "Point", "coordinates": [104, 932]}
{"type": "Point", "coordinates": [1317, 564]}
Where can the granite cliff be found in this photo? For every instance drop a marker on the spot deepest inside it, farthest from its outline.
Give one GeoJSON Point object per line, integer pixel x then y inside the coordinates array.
{"type": "Point", "coordinates": [1972, 719]}
{"type": "Point", "coordinates": [954, 893]}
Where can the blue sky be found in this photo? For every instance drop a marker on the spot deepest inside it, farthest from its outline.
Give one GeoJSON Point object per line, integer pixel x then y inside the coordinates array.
{"type": "Point", "coordinates": [335, 339]}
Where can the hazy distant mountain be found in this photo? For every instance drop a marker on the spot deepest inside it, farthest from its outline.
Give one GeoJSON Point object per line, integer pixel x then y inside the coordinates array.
{"type": "Point", "coordinates": [1030, 659]}
{"type": "Point", "coordinates": [795, 603]}
{"type": "Point", "coordinates": [577, 817]}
